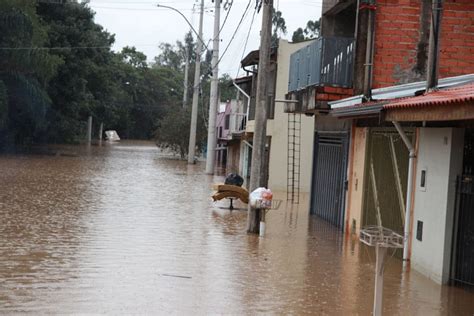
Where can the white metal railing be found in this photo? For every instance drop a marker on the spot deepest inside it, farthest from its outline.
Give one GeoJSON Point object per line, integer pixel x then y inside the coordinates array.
{"type": "Point", "coordinates": [238, 122]}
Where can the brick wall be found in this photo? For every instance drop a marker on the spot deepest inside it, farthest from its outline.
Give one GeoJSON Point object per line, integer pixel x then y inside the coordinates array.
{"type": "Point", "coordinates": [401, 38]}
{"type": "Point", "coordinates": [327, 93]}
{"type": "Point", "coordinates": [457, 38]}
{"type": "Point", "coordinates": [397, 33]}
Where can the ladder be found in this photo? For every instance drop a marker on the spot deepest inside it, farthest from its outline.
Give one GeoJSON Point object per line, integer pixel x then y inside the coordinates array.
{"type": "Point", "coordinates": [294, 149]}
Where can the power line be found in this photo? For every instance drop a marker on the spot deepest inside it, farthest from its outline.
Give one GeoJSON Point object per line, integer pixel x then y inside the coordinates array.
{"type": "Point", "coordinates": [246, 40]}
{"type": "Point", "coordinates": [55, 48]}
{"type": "Point", "coordinates": [235, 31]}
{"type": "Point", "coordinates": [132, 9]}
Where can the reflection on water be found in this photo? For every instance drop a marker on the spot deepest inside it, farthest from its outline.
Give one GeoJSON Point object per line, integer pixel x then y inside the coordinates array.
{"type": "Point", "coordinates": [120, 229]}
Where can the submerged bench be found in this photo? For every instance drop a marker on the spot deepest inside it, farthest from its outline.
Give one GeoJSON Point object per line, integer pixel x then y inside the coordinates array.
{"type": "Point", "coordinates": [228, 191]}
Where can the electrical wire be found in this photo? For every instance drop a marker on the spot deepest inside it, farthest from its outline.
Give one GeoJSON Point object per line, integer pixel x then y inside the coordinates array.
{"type": "Point", "coordinates": [55, 48]}
{"type": "Point", "coordinates": [246, 41]}
{"type": "Point", "coordinates": [235, 32]}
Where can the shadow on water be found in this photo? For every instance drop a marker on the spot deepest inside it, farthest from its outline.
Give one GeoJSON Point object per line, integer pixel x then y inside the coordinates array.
{"type": "Point", "coordinates": [124, 228]}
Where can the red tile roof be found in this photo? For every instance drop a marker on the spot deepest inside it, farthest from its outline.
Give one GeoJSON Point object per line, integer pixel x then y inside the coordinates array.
{"type": "Point", "coordinates": [459, 94]}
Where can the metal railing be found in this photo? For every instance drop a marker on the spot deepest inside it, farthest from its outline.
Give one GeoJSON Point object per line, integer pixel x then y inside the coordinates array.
{"type": "Point", "coordinates": [327, 61]}
{"type": "Point", "coordinates": [238, 122]}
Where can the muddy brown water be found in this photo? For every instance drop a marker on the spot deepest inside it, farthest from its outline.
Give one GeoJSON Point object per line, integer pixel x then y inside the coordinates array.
{"type": "Point", "coordinates": [122, 229]}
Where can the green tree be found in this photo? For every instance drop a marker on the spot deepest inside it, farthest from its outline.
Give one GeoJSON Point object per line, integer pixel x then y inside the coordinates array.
{"type": "Point", "coordinates": [311, 31]}
{"type": "Point", "coordinates": [298, 36]}
{"type": "Point", "coordinates": [84, 84]}
{"type": "Point", "coordinates": [279, 26]}
{"type": "Point", "coordinates": [24, 73]}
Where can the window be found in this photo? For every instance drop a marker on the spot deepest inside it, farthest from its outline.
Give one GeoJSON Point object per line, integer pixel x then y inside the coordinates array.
{"type": "Point", "coordinates": [227, 121]}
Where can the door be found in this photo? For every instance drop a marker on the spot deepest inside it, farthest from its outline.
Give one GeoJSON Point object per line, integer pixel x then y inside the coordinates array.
{"type": "Point", "coordinates": [463, 265]}
{"type": "Point", "coordinates": [386, 174]}
{"type": "Point", "coordinates": [329, 177]}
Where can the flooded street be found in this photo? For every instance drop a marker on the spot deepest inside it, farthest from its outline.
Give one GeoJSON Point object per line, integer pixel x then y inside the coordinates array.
{"type": "Point", "coordinates": [121, 229]}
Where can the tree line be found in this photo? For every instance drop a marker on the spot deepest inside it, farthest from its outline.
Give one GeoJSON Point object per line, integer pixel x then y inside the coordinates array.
{"type": "Point", "coordinates": [57, 68]}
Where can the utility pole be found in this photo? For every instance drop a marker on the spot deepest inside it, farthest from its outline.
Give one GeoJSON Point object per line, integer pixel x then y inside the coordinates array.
{"type": "Point", "coordinates": [260, 132]}
{"type": "Point", "coordinates": [197, 81]}
{"type": "Point", "coordinates": [186, 71]}
{"type": "Point", "coordinates": [214, 99]}
{"type": "Point", "coordinates": [433, 50]}
{"type": "Point", "coordinates": [369, 5]}
{"type": "Point", "coordinates": [89, 130]}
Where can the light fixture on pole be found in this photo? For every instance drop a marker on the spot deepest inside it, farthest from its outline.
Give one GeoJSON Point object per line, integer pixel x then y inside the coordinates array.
{"type": "Point", "coordinates": [196, 84]}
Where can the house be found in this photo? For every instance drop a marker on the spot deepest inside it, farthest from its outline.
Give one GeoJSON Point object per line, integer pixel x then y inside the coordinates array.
{"type": "Point", "coordinates": [230, 126]}
{"type": "Point", "coordinates": [406, 154]}
{"type": "Point", "coordinates": [359, 159]}
{"type": "Point", "coordinates": [285, 156]}
{"type": "Point", "coordinates": [442, 192]}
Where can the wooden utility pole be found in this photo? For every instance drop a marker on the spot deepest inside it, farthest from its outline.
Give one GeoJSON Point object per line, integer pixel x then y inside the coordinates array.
{"type": "Point", "coordinates": [197, 80]}
{"type": "Point", "coordinates": [260, 132]}
{"type": "Point", "coordinates": [214, 99]}
{"type": "Point", "coordinates": [433, 50]}
{"type": "Point", "coordinates": [369, 57]}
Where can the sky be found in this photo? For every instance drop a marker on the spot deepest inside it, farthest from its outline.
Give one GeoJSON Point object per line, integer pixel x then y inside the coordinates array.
{"type": "Point", "coordinates": [142, 24]}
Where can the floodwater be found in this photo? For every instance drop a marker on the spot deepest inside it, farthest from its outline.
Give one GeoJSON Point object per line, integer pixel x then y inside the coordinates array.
{"type": "Point", "coordinates": [122, 229]}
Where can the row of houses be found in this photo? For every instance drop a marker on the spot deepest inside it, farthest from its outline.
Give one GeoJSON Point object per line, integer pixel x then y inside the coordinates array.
{"type": "Point", "coordinates": [353, 122]}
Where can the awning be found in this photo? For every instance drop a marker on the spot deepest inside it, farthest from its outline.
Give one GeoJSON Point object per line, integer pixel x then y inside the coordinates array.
{"type": "Point", "coordinates": [369, 109]}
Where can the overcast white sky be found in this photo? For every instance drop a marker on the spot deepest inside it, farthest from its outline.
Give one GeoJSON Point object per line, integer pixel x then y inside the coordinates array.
{"type": "Point", "coordinates": [141, 24]}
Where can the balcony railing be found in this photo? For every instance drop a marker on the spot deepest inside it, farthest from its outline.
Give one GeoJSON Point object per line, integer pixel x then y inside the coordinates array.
{"type": "Point", "coordinates": [238, 122]}
{"type": "Point", "coordinates": [237, 125]}
{"type": "Point", "coordinates": [327, 61]}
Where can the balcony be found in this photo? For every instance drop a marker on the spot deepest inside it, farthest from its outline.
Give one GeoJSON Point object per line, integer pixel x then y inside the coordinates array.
{"type": "Point", "coordinates": [328, 63]}
{"type": "Point", "coordinates": [231, 124]}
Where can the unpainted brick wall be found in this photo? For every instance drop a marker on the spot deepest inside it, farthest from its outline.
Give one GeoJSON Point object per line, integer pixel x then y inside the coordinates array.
{"type": "Point", "coordinates": [457, 38]}
{"type": "Point", "coordinates": [397, 32]}
{"type": "Point", "coordinates": [400, 30]}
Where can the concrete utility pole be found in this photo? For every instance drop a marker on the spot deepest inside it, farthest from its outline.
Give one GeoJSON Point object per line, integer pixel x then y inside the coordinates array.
{"type": "Point", "coordinates": [197, 83]}
{"type": "Point", "coordinates": [89, 130]}
{"type": "Point", "coordinates": [185, 83]}
{"type": "Point", "coordinates": [214, 99]}
{"type": "Point", "coordinates": [260, 133]}
{"type": "Point", "coordinates": [101, 131]}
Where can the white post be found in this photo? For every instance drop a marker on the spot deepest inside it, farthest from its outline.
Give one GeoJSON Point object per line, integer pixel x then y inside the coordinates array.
{"type": "Point", "coordinates": [101, 131]}
{"type": "Point", "coordinates": [412, 157]}
{"type": "Point", "coordinates": [89, 130]}
{"type": "Point", "coordinates": [186, 75]}
{"type": "Point", "coordinates": [380, 253]}
{"type": "Point", "coordinates": [214, 99]}
{"type": "Point", "coordinates": [197, 78]}
{"type": "Point", "coordinates": [262, 222]}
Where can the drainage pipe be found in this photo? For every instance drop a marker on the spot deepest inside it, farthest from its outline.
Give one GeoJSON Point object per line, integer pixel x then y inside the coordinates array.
{"type": "Point", "coordinates": [412, 156]}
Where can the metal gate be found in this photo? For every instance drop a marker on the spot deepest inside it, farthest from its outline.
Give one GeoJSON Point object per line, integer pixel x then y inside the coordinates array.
{"type": "Point", "coordinates": [329, 177]}
{"type": "Point", "coordinates": [386, 173]}
{"type": "Point", "coordinates": [463, 254]}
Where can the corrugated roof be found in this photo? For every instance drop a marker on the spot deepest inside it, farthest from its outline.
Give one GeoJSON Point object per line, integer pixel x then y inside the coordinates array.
{"type": "Point", "coordinates": [460, 94]}
{"type": "Point", "coordinates": [401, 91]}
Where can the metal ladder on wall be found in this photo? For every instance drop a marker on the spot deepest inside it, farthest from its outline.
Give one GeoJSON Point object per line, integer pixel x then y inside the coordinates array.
{"type": "Point", "coordinates": [294, 149]}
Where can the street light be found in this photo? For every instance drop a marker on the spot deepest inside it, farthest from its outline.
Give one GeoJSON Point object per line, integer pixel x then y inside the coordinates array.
{"type": "Point", "coordinates": [187, 21]}
{"type": "Point", "coordinates": [197, 75]}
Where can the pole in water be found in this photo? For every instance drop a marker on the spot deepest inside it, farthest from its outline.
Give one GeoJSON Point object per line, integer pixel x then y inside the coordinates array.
{"type": "Point", "coordinates": [89, 130]}
{"type": "Point", "coordinates": [101, 131]}
{"type": "Point", "coordinates": [262, 223]}
{"type": "Point", "coordinates": [380, 253]}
